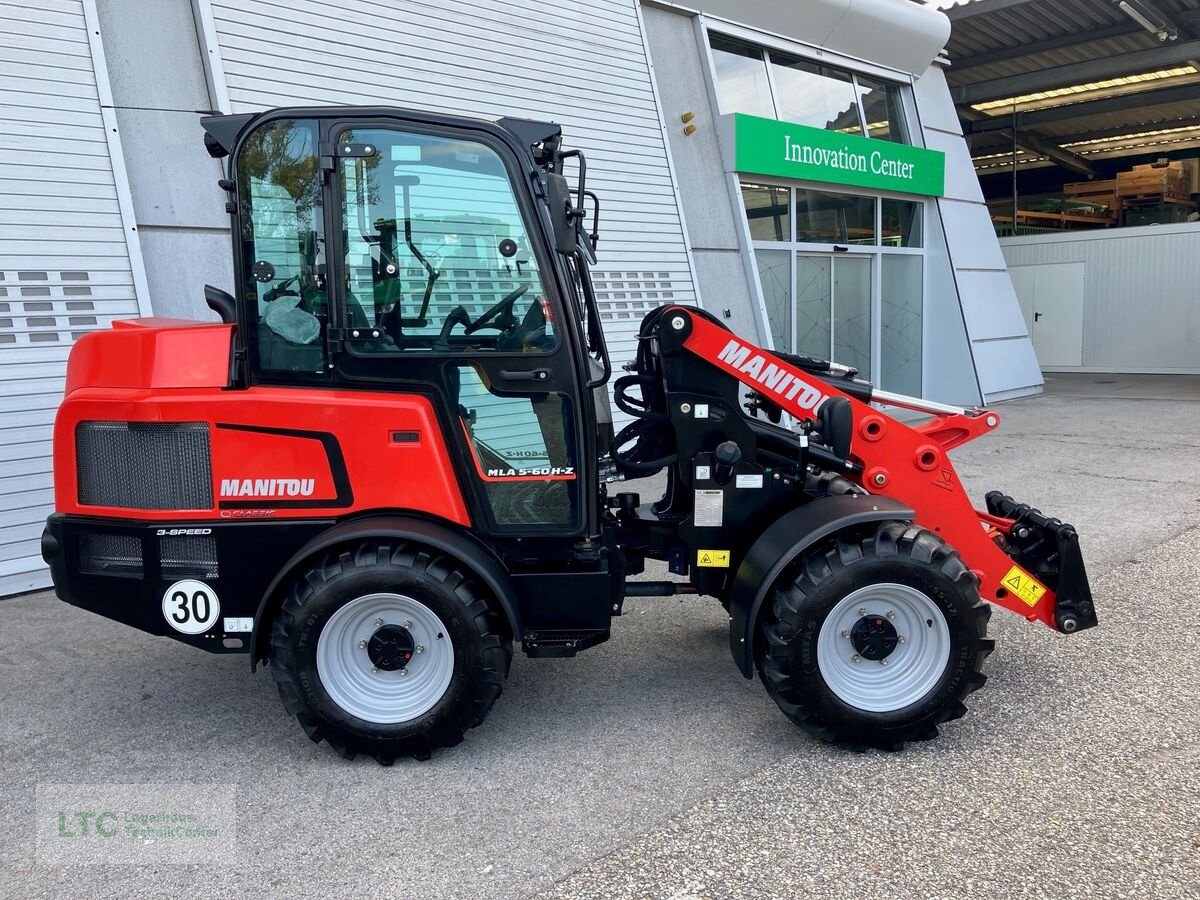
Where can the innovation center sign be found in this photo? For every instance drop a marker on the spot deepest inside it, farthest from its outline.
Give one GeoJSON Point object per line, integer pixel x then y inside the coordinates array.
{"type": "Point", "coordinates": [785, 150]}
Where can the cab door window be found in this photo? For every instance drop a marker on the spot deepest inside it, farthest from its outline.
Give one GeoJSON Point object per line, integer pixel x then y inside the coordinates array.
{"type": "Point", "coordinates": [283, 248]}
{"type": "Point", "coordinates": [522, 448]}
{"type": "Point", "coordinates": [438, 256]}
{"type": "Point", "coordinates": [445, 284]}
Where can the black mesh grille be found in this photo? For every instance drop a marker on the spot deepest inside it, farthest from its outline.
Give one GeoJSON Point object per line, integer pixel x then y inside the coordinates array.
{"type": "Point", "coordinates": [144, 465]}
{"type": "Point", "coordinates": [110, 554]}
{"type": "Point", "coordinates": [188, 556]}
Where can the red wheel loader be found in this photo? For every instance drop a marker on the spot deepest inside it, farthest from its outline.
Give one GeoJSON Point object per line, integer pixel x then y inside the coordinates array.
{"type": "Point", "coordinates": [393, 459]}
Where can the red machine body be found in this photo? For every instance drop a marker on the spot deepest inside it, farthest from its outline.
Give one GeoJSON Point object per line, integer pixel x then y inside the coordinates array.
{"type": "Point", "coordinates": [271, 454]}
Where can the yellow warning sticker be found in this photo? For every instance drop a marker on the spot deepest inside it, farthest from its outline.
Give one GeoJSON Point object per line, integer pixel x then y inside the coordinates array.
{"type": "Point", "coordinates": [1024, 585]}
{"type": "Point", "coordinates": [713, 559]}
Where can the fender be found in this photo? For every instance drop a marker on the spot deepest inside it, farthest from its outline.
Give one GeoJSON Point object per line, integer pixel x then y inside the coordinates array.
{"type": "Point", "coordinates": [785, 538]}
{"type": "Point", "coordinates": [468, 550]}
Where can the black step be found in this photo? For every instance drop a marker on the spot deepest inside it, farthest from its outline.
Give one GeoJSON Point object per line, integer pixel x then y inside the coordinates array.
{"type": "Point", "coordinates": [559, 644]}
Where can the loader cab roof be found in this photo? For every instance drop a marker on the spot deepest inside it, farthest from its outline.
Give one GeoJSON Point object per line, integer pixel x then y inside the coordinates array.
{"type": "Point", "coordinates": [222, 131]}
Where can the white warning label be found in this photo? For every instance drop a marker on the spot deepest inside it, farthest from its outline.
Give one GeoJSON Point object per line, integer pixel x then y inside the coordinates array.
{"type": "Point", "coordinates": [708, 509]}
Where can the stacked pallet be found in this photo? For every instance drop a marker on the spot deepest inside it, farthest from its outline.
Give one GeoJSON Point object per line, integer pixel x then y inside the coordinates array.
{"type": "Point", "coordinates": [1083, 208]}
{"type": "Point", "coordinates": [1100, 197]}
{"type": "Point", "coordinates": [1191, 175]}
{"type": "Point", "coordinates": [1156, 194]}
{"type": "Point", "coordinates": [1153, 183]}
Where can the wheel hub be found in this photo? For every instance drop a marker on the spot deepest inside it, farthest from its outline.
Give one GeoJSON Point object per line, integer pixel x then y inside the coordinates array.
{"type": "Point", "coordinates": [873, 637]}
{"type": "Point", "coordinates": [884, 647]}
{"type": "Point", "coordinates": [391, 647]}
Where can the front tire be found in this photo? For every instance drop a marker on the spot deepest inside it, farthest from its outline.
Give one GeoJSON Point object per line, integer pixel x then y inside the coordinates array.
{"type": "Point", "coordinates": [388, 649]}
{"type": "Point", "coordinates": [874, 638]}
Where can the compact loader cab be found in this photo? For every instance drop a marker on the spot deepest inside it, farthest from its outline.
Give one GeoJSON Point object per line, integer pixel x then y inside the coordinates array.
{"type": "Point", "coordinates": [392, 459]}
{"type": "Point", "coordinates": [415, 256]}
{"type": "Point", "coordinates": [410, 255]}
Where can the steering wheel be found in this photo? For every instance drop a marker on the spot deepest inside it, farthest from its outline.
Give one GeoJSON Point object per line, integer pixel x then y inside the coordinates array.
{"type": "Point", "coordinates": [282, 290]}
{"type": "Point", "coordinates": [505, 321]}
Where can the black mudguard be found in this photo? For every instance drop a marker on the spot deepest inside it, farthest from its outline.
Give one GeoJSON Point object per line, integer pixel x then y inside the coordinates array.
{"type": "Point", "coordinates": [470, 552]}
{"type": "Point", "coordinates": [784, 539]}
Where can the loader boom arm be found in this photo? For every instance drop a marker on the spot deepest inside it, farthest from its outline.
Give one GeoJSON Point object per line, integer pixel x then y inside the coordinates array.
{"type": "Point", "coordinates": [911, 464]}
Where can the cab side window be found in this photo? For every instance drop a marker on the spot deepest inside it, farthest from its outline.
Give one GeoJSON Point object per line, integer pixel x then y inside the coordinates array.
{"type": "Point", "coordinates": [438, 256]}
{"type": "Point", "coordinates": [283, 247]}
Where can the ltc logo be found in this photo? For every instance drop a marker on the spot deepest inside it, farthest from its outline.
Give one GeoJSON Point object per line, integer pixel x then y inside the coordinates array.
{"type": "Point", "coordinates": [101, 823]}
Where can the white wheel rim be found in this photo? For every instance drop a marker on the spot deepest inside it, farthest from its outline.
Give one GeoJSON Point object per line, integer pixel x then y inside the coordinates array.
{"type": "Point", "coordinates": [376, 695]}
{"type": "Point", "coordinates": [909, 672]}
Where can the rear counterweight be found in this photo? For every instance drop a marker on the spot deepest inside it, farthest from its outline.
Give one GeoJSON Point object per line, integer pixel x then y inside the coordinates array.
{"type": "Point", "coordinates": [129, 571]}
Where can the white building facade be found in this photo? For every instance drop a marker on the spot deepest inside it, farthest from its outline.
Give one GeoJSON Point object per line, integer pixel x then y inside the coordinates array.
{"type": "Point", "coordinates": [794, 166]}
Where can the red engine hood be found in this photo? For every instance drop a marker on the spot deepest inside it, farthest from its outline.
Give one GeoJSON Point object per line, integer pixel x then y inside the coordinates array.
{"type": "Point", "coordinates": [150, 353]}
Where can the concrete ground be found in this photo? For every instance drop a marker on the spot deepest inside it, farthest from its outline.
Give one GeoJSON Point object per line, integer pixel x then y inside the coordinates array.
{"type": "Point", "coordinates": [647, 768]}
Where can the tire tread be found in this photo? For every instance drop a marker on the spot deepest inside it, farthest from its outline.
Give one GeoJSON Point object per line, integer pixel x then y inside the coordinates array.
{"type": "Point", "coordinates": [889, 540]}
{"type": "Point", "coordinates": [495, 644]}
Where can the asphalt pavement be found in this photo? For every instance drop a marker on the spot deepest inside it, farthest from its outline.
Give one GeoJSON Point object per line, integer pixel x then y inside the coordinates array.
{"type": "Point", "coordinates": [648, 768]}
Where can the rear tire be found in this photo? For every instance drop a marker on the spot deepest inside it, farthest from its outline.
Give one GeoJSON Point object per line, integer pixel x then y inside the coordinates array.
{"type": "Point", "coordinates": [391, 650]}
{"type": "Point", "coordinates": [874, 638]}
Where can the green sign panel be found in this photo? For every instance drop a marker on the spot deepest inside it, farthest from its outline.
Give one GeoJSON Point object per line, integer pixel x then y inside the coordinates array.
{"type": "Point", "coordinates": [784, 150]}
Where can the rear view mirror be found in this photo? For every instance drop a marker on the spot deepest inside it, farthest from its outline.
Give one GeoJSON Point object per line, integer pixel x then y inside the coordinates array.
{"type": "Point", "coordinates": [562, 215]}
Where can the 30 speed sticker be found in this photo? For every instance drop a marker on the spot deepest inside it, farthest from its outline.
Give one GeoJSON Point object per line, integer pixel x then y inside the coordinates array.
{"type": "Point", "coordinates": [1024, 585]}
{"type": "Point", "coordinates": [191, 607]}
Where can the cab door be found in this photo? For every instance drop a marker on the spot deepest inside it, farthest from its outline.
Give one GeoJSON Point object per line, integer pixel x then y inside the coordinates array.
{"type": "Point", "coordinates": [448, 289]}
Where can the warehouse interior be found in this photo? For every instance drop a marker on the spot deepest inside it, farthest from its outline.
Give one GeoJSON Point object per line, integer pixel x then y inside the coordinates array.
{"type": "Point", "coordinates": [1085, 113]}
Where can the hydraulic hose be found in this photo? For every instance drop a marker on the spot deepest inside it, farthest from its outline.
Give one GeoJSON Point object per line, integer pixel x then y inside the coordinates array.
{"type": "Point", "coordinates": [651, 435]}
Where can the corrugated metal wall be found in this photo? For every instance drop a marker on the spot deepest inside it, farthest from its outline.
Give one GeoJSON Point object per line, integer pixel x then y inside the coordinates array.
{"type": "Point", "coordinates": [1141, 308]}
{"type": "Point", "coordinates": [581, 64]}
{"type": "Point", "coordinates": [64, 264]}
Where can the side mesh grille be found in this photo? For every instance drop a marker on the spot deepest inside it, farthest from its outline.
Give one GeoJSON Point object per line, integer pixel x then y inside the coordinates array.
{"type": "Point", "coordinates": [144, 465]}
{"type": "Point", "coordinates": [110, 554]}
{"type": "Point", "coordinates": [188, 556]}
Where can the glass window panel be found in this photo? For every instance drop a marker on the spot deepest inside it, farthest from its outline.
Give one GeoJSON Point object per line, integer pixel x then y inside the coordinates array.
{"type": "Point", "coordinates": [813, 295]}
{"type": "Point", "coordinates": [775, 276]}
{"type": "Point", "coordinates": [742, 84]}
{"type": "Point", "coordinates": [852, 312]}
{"type": "Point", "coordinates": [522, 448]}
{"type": "Point", "coordinates": [900, 324]}
{"type": "Point", "coordinates": [425, 220]}
{"type": "Point", "coordinates": [902, 223]}
{"type": "Point", "coordinates": [767, 211]}
{"type": "Point", "coordinates": [284, 255]}
{"type": "Point", "coordinates": [815, 95]}
{"type": "Point", "coordinates": [825, 218]}
{"type": "Point", "coordinates": [883, 110]}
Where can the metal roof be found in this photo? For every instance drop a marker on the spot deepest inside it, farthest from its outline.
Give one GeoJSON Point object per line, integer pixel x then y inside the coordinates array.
{"type": "Point", "coordinates": [1093, 28]}
{"type": "Point", "coordinates": [1096, 79]}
